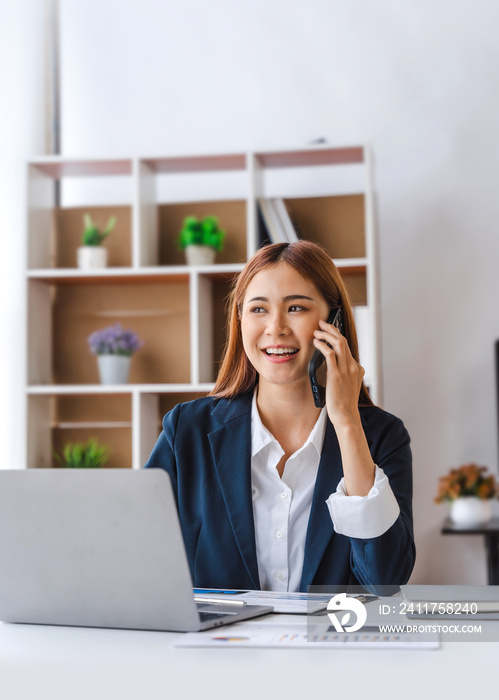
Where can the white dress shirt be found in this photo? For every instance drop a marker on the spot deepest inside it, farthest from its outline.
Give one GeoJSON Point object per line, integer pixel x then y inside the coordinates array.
{"type": "Point", "coordinates": [281, 506]}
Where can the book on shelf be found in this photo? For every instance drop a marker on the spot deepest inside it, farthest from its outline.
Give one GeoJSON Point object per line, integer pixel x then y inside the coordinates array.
{"type": "Point", "coordinates": [275, 221]}
{"type": "Point", "coordinates": [286, 223]}
{"type": "Point", "coordinates": [363, 325]}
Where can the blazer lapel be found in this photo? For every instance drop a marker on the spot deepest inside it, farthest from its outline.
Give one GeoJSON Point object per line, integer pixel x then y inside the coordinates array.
{"type": "Point", "coordinates": [320, 526]}
{"type": "Point", "coordinates": [231, 448]}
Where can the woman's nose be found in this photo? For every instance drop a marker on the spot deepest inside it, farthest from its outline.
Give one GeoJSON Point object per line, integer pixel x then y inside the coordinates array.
{"type": "Point", "coordinates": [276, 324]}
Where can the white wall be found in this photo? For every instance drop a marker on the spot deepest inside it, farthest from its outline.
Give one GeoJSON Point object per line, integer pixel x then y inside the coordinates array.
{"type": "Point", "coordinates": [22, 133]}
{"type": "Point", "coordinates": [416, 79]}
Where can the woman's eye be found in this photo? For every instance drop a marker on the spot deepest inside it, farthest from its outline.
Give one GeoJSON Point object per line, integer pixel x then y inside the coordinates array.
{"type": "Point", "coordinates": [263, 310]}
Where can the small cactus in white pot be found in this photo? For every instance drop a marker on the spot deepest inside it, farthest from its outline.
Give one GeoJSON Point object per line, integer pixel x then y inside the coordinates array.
{"type": "Point", "coordinates": [92, 254]}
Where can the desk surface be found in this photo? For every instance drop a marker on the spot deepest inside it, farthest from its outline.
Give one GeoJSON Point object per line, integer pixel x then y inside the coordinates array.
{"type": "Point", "coordinates": [70, 663]}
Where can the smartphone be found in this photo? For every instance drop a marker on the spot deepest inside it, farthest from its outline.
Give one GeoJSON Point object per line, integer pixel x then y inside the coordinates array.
{"type": "Point", "coordinates": [317, 366]}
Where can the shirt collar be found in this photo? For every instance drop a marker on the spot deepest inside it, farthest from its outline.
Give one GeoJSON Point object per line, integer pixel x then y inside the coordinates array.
{"type": "Point", "coordinates": [260, 436]}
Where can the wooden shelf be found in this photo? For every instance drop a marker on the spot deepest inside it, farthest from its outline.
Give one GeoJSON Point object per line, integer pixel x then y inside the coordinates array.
{"type": "Point", "coordinates": [81, 389]}
{"type": "Point", "coordinates": [178, 311]}
{"type": "Point", "coordinates": [111, 276]}
{"type": "Point", "coordinates": [56, 167]}
{"type": "Point", "coordinates": [311, 156]}
{"type": "Point", "coordinates": [92, 425]}
{"type": "Point", "coordinates": [231, 216]}
{"type": "Point", "coordinates": [143, 275]}
{"type": "Point", "coordinates": [170, 273]}
{"type": "Point", "coordinates": [68, 231]}
{"type": "Point", "coordinates": [197, 164]}
{"type": "Point", "coordinates": [338, 223]}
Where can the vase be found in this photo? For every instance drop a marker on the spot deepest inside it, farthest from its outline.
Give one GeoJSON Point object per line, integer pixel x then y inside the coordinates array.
{"type": "Point", "coordinates": [91, 257]}
{"type": "Point", "coordinates": [200, 255]}
{"type": "Point", "coordinates": [470, 510]}
{"type": "Point", "coordinates": [114, 369]}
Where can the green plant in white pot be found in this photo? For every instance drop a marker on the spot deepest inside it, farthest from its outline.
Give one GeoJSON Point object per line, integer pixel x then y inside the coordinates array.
{"type": "Point", "coordinates": [79, 455]}
{"type": "Point", "coordinates": [201, 239]}
{"type": "Point", "coordinates": [92, 254]}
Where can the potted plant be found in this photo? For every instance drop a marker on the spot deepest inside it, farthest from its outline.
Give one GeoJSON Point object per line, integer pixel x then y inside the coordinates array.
{"type": "Point", "coordinates": [114, 348]}
{"type": "Point", "coordinates": [469, 489]}
{"type": "Point", "coordinates": [91, 254]}
{"type": "Point", "coordinates": [201, 239]}
{"type": "Point", "coordinates": [78, 455]}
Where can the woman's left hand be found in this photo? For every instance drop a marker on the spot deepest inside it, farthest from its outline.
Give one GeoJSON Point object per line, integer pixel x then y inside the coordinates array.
{"type": "Point", "coordinates": [344, 375]}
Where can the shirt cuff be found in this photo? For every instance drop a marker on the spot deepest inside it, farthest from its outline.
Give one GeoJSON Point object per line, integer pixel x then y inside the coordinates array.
{"type": "Point", "coordinates": [364, 517]}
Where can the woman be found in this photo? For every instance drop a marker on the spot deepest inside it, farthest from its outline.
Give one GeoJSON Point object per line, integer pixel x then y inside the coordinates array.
{"type": "Point", "coordinates": [272, 492]}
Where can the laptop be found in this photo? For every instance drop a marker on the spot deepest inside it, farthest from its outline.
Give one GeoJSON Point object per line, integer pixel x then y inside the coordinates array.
{"type": "Point", "coordinates": [99, 548]}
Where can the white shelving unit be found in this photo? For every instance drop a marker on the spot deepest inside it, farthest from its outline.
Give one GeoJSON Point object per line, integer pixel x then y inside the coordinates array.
{"type": "Point", "coordinates": [177, 310]}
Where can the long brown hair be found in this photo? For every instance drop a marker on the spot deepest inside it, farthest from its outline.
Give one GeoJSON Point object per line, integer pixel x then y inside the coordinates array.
{"type": "Point", "coordinates": [237, 375]}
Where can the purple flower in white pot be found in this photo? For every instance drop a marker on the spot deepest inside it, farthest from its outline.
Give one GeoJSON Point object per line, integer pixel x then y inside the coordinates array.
{"type": "Point", "coordinates": [114, 348]}
{"type": "Point", "coordinates": [113, 340]}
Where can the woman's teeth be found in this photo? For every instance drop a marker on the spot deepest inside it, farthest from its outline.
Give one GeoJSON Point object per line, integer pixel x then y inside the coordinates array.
{"type": "Point", "coordinates": [281, 351]}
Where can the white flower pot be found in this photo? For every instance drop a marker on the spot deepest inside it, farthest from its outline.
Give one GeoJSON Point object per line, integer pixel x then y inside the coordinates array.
{"type": "Point", "coordinates": [114, 369]}
{"type": "Point", "coordinates": [470, 510]}
{"type": "Point", "coordinates": [91, 257]}
{"type": "Point", "coordinates": [200, 255]}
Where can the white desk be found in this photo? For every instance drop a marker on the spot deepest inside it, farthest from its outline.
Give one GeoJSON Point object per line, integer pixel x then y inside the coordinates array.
{"type": "Point", "coordinates": [69, 663]}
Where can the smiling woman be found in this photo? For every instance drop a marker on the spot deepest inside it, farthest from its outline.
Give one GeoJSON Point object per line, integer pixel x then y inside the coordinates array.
{"type": "Point", "coordinates": [273, 492]}
{"type": "Point", "coordinates": [314, 271]}
{"type": "Point", "coordinates": [278, 326]}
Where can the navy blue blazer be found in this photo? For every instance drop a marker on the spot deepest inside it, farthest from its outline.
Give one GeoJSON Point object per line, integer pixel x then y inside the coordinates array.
{"type": "Point", "coordinates": [205, 446]}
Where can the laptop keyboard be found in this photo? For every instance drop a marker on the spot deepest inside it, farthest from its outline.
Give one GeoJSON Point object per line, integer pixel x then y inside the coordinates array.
{"type": "Point", "coordinates": [207, 616]}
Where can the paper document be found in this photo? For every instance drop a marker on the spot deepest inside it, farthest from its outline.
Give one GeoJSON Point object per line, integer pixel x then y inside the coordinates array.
{"type": "Point", "coordinates": [254, 634]}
